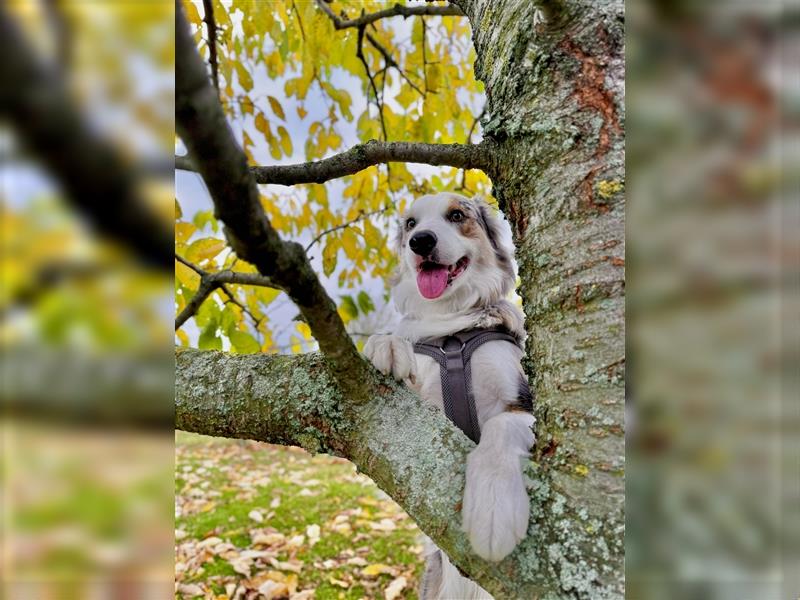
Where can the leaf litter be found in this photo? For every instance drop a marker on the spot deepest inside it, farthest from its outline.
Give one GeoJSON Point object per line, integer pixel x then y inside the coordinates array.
{"type": "Point", "coordinates": [256, 521]}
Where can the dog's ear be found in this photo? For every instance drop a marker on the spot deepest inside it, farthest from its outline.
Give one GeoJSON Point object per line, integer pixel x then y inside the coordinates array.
{"type": "Point", "coordinates": [496, 230]}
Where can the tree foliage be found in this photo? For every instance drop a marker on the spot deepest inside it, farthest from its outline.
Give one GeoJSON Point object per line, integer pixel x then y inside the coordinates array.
{"type": "Point", "coordinates": [295, 88]}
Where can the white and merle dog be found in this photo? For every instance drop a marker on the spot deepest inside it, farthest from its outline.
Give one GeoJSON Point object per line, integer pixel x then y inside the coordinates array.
{"type": "Point", "coordinates": [455, 273]}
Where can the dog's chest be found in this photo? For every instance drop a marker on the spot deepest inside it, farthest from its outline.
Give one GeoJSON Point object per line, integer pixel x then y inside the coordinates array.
{"type": "Point", "coordinates": [496, 373]}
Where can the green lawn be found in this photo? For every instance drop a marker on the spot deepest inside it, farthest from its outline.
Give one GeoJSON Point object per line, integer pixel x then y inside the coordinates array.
{"type": "Point", "coordinates": [252, 516]}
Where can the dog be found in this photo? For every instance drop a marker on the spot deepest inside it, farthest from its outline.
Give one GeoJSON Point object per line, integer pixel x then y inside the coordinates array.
{"type": "Point", "coordinates": [454, 274]}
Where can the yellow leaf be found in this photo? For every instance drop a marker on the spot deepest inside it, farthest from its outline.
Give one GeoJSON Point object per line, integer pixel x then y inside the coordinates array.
{"type": "Point", "coordinates": [182, 337]}
{"type": "Point", "coordinates": [261, 123]}
{"type": "Point", "coordinates": [276, 107]}
{"type": "Point", "coordinates": [350, 242]}
{"type": "Point", "coordinates": [186, 276]}
{"type": "Point", "coordinates": [183, 231]}
{"type": "Point", "coordinates": [245, 79]}
{"type": "Point", "coordinates": [192, 14]}
{"type": "Point", "coordinates": [372, 235]}
{"type": "Point", "coordinates": [329, 254]}
{"type": "Point", "coordinates": [301, 112]}
{"type": "Point", "coordinates": [286, 141]}
{"type": "Point", "coordinates": [375, 570]}
{"type": "Point", "coordinates": [204, 249]}
{"type": "Point", "coordinates": [178, 210]}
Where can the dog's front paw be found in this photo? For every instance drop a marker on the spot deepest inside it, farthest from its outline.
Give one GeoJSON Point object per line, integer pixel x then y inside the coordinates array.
{"type": "Point", "coordinates": [393, 355]}
{"type": "Point", "coordinates": [495, 509]}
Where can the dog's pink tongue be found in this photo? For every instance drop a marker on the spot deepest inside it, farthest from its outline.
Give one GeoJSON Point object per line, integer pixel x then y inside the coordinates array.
{"type": "Point", "coordinates": [432, 282]}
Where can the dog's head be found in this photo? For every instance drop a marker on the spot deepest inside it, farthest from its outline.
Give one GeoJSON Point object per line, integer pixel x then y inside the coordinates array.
{"type": "Point", "coordinates": [454, 254]}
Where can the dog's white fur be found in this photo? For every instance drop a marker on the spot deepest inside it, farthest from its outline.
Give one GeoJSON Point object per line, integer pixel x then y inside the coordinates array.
{"type": "Point", "coordinates": [495, 505]}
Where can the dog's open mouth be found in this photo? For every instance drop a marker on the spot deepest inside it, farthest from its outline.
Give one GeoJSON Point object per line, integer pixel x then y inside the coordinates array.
{"type": "Point", "coordinates": [433, 278]}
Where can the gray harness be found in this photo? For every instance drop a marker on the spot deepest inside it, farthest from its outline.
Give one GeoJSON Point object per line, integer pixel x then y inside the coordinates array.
{"type": "Point", "coordinates": [453, 353]}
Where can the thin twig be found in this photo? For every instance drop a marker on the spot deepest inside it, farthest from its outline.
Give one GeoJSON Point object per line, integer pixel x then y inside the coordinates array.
{"type": "Point", "coordinates": [211, 281]}
{"type": "Point", "coordinates": [396, 11]}
{"type": "Point", "coordinates": [387, 56]}
{"type": "Point", "coordinates": [299, 21]}
{"type": "Point", "coordinates": [475, 122]}
{"type": "Point", "coordinates": [361, 216]}
{"type": "Point", "coordinates": [340, 23]}
{"type": "Point", "coordinates": [211, 27]}
{"type": "Point", "coordinates": [378, 102]}
{"type": "Point", "coordinates": [233, 299]}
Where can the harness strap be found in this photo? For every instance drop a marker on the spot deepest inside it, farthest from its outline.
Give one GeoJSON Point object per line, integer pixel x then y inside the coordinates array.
{"type": "Point", "coordinates": [454, 354]}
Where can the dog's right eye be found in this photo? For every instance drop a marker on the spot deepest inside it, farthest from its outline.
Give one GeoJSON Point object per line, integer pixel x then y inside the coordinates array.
{"type": "Point", "coordinates": [410, 223]}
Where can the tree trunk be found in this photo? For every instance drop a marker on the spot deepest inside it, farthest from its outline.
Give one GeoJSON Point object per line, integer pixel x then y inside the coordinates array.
{"type": "Point", "coordinates": [554, 78]}
{"type": "Point", "coordinates": [555, 86]}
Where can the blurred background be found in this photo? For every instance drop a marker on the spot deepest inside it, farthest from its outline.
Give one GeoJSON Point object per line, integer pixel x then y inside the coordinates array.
{"type": "Point", "coordinates": [87, 307]}
{"type": "Point", "coordinates": [712, 494]}
{"type": "Point", "coordinates": [86, 134]}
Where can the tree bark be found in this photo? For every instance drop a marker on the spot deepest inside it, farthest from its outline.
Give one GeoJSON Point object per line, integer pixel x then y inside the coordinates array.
{"type": "Point", "coordinates": [555, 89]}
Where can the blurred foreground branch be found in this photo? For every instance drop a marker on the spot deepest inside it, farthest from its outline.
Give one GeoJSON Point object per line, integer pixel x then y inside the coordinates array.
{"type": "Point", "coordinates": [93, 174]}
{"type": "Point", "coordinates": [73, 386]}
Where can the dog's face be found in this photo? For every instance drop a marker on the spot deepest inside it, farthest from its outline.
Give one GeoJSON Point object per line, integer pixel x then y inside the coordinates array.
{"type": "Point", "coordinates": [453, 252]}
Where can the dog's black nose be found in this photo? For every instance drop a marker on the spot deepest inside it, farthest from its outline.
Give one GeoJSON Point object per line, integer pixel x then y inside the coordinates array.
{"type": "Point", "coordinates": [422, 242]}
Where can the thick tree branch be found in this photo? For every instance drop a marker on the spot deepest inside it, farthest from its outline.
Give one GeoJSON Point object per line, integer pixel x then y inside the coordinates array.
{"type": "Point", "coordinates": [408, 448]}
{"type": "Point", "coordinates": [395, 11]}
{"type": "Point", "coordinates": [94, 176]}
{"type": "Point", "coordinates": [208, 137]}
{"type": "Point", "coordinates": [363, 156]}
{"type": "Point", "coordinates": [72, 386]}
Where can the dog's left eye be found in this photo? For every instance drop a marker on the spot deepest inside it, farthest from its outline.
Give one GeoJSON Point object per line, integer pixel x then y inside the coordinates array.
{"type": "Point", "coordinates": [456, 216]}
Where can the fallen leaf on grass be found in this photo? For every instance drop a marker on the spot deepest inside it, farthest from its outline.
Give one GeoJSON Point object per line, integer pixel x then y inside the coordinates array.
{"type": "Point", "coordinates": [339, 582]}
{"type": "Point", "coordinates": [378, 569]}
{"type": "Point", "coordinates": [190, 590]}
{"type": "Point", "coordinates": [292, 565]}
{"type": "Point", "coordinates": [383, 525]}
{"type": "Point", "coordinates": [256, 516]}
{"type": "Point", "coordinates": [312, 531]}
{"type": "Point", "coordinates": [241, 566]}
{"type": "Point", "coordinates": [393, 590]}
{"type": "Point", "coordinates": [262, 538]}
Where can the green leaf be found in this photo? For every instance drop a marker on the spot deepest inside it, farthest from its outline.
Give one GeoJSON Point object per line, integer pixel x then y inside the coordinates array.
{"type": "Point", "coordinates": [349, 307]}
{"type": "Point", "coordinates": [209, 340]}
{"type": "Point", "coordinates": [205, 217]}
{"type": "Point", "coordinates": [243, 342]}
{"type": "Point", "coordinates": [365, 302]}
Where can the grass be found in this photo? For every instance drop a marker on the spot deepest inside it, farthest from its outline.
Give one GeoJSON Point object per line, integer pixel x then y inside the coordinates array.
{"type": "Point", "coordinates": [219, 483]}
